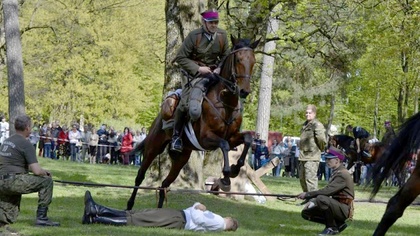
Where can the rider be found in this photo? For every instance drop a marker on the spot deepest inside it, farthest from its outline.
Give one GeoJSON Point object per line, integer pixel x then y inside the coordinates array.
{"type": "Point", "coordinates": [389, 133]}
{"type": "Point", "coordinates": [361, 137]}
{"type": "Point", "coordinates": [200, 54]}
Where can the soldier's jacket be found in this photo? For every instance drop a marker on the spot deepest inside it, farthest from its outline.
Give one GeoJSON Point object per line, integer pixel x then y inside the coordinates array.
{"type": "Point", "coordinates": [340, 186]}
{"type": "Point", "coordinates": [312, 141]}
{"type": "Point", "coordinates": [193, 50]}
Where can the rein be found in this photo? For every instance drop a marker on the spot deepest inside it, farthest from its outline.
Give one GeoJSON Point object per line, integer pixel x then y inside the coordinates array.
{"type": "Point", "coordinates": [230, 84]}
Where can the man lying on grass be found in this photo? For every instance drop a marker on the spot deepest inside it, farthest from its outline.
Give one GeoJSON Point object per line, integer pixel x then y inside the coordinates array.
{"type": "Point", "coordinates": [333, 204]}
{"type": "Point", "coordinates": [195, 218]}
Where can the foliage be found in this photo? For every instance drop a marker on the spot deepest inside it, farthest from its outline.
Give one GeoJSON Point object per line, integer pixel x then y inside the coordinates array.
{"type": "Point", "coordinates": [93, 58]}
{"type": "Point", "coordinates": [104, 59]}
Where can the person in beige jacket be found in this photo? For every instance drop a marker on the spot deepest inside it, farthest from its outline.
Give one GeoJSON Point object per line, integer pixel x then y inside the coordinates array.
{"type": "Point", "coordinates": [312, 143]}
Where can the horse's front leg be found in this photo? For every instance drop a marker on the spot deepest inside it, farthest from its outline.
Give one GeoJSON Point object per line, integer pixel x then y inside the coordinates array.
{"type": "Point", "coordinates": [225, 181]}
{"type": "Point", "coordinates": [398, 203]}
{"type": "Point", "coordinates": [245, 138]}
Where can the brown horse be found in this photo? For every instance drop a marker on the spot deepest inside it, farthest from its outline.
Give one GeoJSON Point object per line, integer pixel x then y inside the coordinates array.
{"type": "Point", "coordinates": [218, 126]}
{"type": "Point", "coordinates": [395, 158]}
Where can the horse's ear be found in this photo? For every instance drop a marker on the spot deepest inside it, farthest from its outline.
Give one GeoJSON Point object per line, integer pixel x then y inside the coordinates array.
{"type": "Point", "coordinates": [255, 44]}
{"type": "Point", "coordinates": [234, 40]}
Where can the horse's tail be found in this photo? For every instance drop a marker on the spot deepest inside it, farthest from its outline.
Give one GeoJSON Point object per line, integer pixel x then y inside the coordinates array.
{"type": "Point", "coordinates": [398, 153]}
{"type": "Point", "coordinates": [139, 148]}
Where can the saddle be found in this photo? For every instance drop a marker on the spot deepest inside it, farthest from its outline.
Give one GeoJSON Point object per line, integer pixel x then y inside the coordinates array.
{"type": "Point", "coordinates": [168, 108]}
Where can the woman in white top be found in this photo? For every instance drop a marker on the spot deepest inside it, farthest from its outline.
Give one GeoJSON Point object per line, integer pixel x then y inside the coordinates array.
{"type": "Point", "coordinates": [74, 137]}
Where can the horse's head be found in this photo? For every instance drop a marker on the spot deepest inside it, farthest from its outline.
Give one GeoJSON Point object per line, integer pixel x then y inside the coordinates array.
{"type": "Point", "coordinates": [239, 64]}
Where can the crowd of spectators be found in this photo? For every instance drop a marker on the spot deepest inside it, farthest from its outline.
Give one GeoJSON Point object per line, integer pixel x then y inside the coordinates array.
{"type": "Point", "coordinates": [87, 144]}
{"type": "Point", "coordinates": [287, 152]}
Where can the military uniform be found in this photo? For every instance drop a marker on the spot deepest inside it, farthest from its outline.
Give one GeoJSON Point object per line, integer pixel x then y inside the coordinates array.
{"type": "Point", "coordinates": [198, 50]}
{"type": "Point", "coordinates": [333, 204]}
{"type": "Point", "coordinates": [16, 154]}
{"type": "Point", "coordinates": [312, 143]}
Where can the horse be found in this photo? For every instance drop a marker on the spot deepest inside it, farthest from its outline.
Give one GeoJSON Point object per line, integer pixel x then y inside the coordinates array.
{"type": "Point", "coordinates": [219, 124]}
{"type": "Point", "coordinates": [347, 143]}
{"type": "Point", "coordinates": [402, 150]}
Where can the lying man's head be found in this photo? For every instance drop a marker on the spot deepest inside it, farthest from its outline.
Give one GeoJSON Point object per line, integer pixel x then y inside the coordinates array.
{"type": "Point", "coordinates": [231, 224]}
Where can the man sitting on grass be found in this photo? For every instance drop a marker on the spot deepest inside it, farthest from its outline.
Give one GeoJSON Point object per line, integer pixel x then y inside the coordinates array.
{"type": "Point", "coordinates": [195, 218]}
{"type": "Point", "coordinates": [333, 204]}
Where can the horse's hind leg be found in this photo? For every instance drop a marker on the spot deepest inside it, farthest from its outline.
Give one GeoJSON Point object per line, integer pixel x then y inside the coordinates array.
{"type": "Point", "coordinates": [398, 203]}
{"type": "Point", "coordinates": [149, 154]}
{"type": "Point", "coordinates": [176, 167]}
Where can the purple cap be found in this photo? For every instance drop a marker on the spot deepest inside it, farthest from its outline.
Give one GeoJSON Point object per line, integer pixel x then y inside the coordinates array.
{"type": "Point", "coordinates": [211, 15]}
{"type": "Point", "coordinates": [335, 153]}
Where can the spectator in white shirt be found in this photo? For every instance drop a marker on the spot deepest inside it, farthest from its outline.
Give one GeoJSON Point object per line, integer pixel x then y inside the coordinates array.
{"type": "Point", "coordinates": [195, 218]}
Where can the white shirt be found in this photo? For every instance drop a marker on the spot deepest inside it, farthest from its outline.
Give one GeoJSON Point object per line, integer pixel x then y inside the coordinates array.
{"type": "Point", "coordinates": [74, 136]}
{"type": "Point", "coordinates": [198, 220]}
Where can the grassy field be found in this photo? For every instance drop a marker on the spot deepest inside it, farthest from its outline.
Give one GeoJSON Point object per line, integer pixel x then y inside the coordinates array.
{"type": "Point", "coordinates": [271, 218]}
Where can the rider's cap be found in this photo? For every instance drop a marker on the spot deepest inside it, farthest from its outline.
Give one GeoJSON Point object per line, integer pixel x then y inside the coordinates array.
{"type": "Point", "coordinates": [387, 123]}
{"type": "Point", "coordinates": [210, 15]}
{"type": "Point", "coordinates": [335, 153]}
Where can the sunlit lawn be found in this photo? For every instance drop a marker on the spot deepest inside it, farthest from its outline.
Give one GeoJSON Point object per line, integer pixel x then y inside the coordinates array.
{"type": "Point", "coordinates": [272, 218]}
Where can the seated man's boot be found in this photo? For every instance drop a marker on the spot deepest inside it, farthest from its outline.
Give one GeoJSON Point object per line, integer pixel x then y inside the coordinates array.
{"type": "Point", "coordinates": [42, 219]}
{"type": "Point", "coordinates": [93, 210]}
{"type": "Point", "coordinates": [176, 144]}
{"type": "Point", "coordinates": [329, 231]}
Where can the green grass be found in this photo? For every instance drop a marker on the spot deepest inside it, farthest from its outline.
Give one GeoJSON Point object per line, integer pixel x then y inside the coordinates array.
{"type": "Point", "coordinates": [272, 218]}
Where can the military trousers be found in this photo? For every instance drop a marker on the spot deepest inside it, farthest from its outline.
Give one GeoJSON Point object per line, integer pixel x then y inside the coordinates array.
{"type": "Point", "coordinates": [308, 175]}
{"type": "Point", "coordinates": [11, 191]}
{"type": "Point", "coordinates": [326, 210]}
{"type": "Point", "coordinates": [159, 217]}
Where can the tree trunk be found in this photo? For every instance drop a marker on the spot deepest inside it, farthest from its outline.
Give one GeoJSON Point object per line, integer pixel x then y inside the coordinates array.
{"type": "Point", "coordinates": [331, 116]}
{"type": "Point", "coordinates": [182, 16]}
{"type": "Point", "coordinates": [264, 102]}
{"type": "Point", "coordinates": [14, 61]}
{"type": "Point", "coordinates": [375, 112]}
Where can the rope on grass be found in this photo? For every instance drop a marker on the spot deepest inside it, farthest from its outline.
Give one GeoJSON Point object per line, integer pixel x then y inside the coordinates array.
{"type": "Point", "coordinates": [175, 190]}
{"type": "Point", "coordinates": [282, 197]}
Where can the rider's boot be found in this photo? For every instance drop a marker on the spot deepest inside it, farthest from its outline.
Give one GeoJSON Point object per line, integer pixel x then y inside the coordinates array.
{"type": "Point", "coordinates": [176, 144]}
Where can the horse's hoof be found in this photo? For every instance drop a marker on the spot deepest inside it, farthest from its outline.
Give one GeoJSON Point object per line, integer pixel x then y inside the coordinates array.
{"type": "Point", "coordinates": [224, 185]}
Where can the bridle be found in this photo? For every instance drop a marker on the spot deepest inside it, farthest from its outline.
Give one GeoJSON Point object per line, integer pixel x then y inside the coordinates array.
{"type": "Point", "coordinates": [230, 83]}
{"type": "Point", "coordinates": [234, 75]}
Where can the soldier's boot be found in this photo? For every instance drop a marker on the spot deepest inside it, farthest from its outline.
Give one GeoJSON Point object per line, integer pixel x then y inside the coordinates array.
{"type": "Point", "coordinates": [176, 144]}
{"type": "Point", "coordinates": [94, 210]}
{"type": "Point", "coordinates": [118, 221]}
{"type": "Point", "coordinates": [42, 219]}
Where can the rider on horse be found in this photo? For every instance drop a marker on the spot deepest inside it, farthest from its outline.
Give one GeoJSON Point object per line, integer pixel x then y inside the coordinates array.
{"type": "Point", "coordinates": [361, 138]}
{"type": "Point", "coordinates": [389, 133]}
{"type": "Point", "coordinates": [199, 56]}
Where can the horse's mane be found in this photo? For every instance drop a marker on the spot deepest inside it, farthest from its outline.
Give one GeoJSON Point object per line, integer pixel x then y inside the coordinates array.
{"type": "Point", "coordinates": [242, 43]}
{"type": "Point", "coordinates": [398, 153]}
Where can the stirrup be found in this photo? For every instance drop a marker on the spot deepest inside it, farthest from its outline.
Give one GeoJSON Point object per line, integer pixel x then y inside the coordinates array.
{"type": "Point", "coordinates": [176, 144]}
